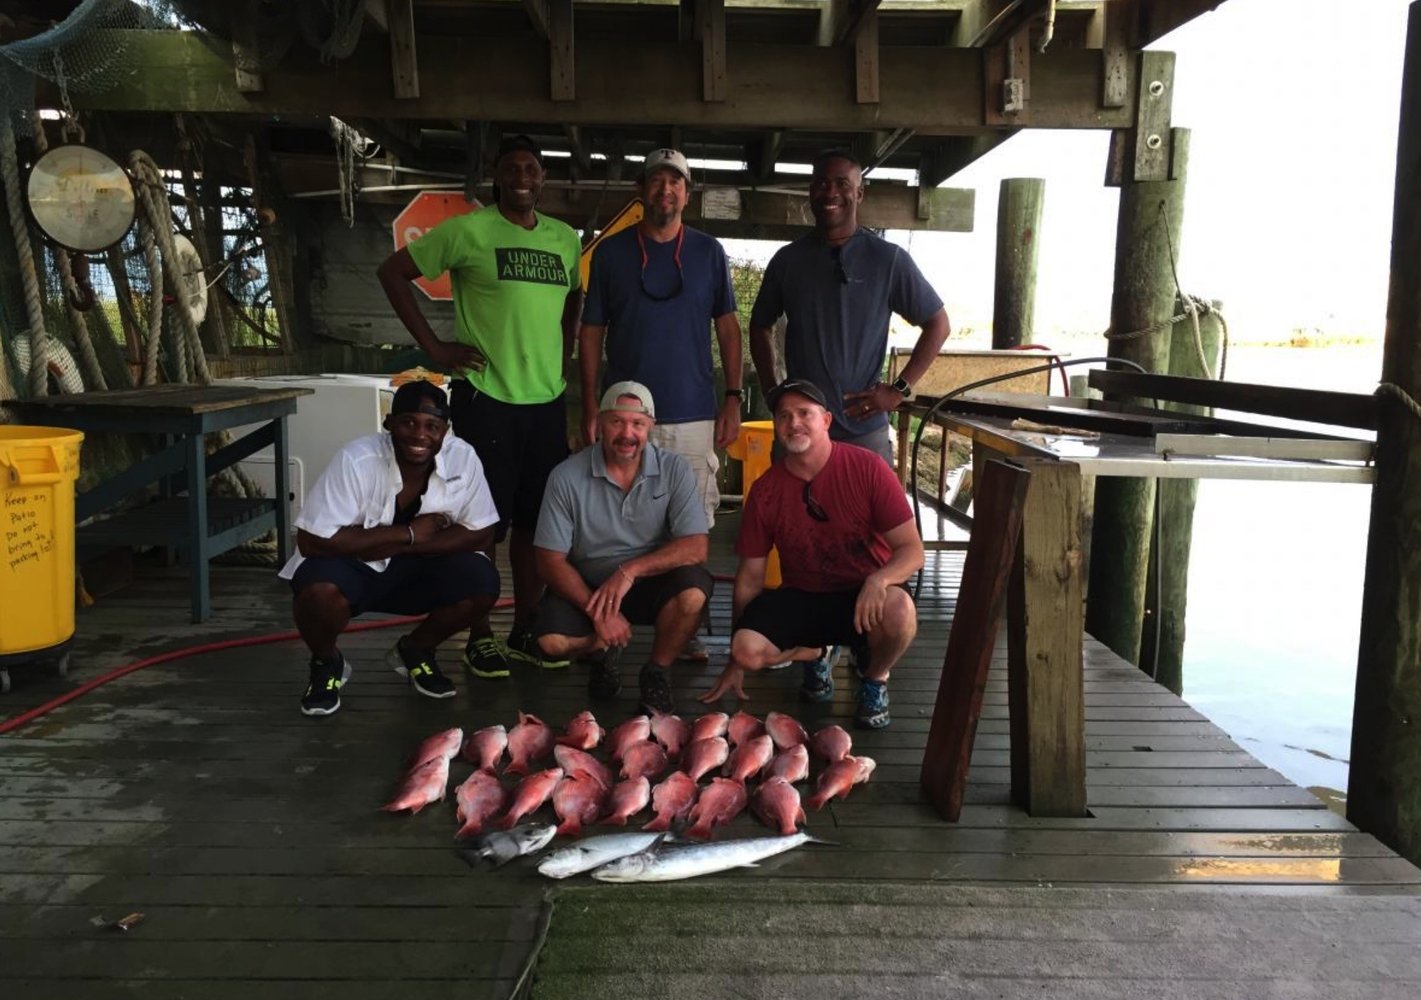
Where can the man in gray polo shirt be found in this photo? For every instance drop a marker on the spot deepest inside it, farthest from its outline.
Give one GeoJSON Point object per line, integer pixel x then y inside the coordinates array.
{"type": "Point", "coordinates": [622, 539]}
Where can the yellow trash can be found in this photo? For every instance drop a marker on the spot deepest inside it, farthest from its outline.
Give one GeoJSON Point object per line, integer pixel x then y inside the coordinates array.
{"type": "Point", "coordinates": [38, 467]}
{"type": "Point", "coordinates": [752, 448]}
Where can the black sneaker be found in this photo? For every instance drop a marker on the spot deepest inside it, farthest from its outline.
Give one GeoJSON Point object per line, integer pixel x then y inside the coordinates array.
{"type": "Point", "coordinates": [872, 710]}
{"type": "Point", "coordinates": [322, 695]}
{"type": "Point", "coordinates": [522, 646]}
{"type": "Point", "coordinates": [655, 682]}
{"type": "Point", "coordinates": [603, 679]}
{"type": "Point", "coordinates": [818, 683]}
{"type": "Point", "coordinates": [483, 657]}
{"type": "Point", "coordinates": [421, 668]}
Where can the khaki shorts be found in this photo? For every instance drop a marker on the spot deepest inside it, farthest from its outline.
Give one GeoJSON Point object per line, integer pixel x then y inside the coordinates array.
{"type": "Point", "coordinates": [695, 442]}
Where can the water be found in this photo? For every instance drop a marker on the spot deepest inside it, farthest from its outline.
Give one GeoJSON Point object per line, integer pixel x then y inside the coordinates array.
{"type": "Point", "coordinates": [1275, 594]}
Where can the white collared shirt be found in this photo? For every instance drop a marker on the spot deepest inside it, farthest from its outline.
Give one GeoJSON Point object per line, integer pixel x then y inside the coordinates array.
{"type": "Point", "coordinates": [360, 485]}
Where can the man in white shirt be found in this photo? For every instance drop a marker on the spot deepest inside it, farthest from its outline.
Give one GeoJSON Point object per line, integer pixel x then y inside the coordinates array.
{"type": "Point", "coordinates": [397, 523]}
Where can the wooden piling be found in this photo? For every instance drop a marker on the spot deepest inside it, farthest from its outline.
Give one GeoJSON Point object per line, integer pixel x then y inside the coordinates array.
{"type": "Point", "coordinates": [1384, 781]}
{"type": "Point", "coordinates": [1169, 557]}
{"type": "Point", "coordinates": [1019, 203]}
{"type": "Point", "coordinates": [1147, 243]}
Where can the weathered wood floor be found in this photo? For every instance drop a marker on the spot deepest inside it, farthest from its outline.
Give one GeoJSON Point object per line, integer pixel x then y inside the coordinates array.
{"type": "Point", "coordinates": [195, 793]}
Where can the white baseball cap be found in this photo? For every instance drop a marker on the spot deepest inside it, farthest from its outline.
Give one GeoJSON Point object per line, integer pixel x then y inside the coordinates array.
{"type": "Point", "coordinates": [611, 399]}
{"type": "Point", "coordinates": [666, 158]}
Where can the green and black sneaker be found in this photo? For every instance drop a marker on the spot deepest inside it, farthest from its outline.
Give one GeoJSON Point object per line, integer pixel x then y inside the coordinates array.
{"type": "Point", "coordinates": [422, 670]}
{"type": "Point", "coordinates": [322, 695]}
{"type": "Point", "coordinates": [484, 658]}
{"type": "Point", "coordinates": [522, 646]}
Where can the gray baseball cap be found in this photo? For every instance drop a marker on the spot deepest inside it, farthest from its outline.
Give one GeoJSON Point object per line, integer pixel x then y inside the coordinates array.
{"type": "Point", "coordinates": [611, 398]}
{"type": "Point", "coordinates": [671, 158]}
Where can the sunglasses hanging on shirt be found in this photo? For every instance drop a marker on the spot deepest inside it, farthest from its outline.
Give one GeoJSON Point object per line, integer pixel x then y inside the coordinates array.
{"type": "Point", "coordinates": [675, 259]}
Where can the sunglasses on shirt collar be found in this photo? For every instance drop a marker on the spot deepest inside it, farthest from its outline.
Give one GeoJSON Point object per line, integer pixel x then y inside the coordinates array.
{"type": "Point", "coordinates": [675, 259]}
{"type": "Point", "coordinates": [811, 506]}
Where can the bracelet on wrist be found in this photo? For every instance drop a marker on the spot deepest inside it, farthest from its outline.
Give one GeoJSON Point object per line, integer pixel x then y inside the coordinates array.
{"type": "Point", "coordinates": [411, 527]}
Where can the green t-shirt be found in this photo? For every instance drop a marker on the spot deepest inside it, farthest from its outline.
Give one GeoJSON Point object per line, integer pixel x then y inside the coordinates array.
{"type": "Point", "coordinates": [510, 285]}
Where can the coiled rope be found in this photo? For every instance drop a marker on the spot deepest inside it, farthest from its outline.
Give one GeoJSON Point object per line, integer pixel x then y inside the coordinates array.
{"type": "Point", "coordinates": [34, 309]}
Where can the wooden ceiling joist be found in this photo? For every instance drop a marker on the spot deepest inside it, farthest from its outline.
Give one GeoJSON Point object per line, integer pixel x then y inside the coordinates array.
{"type": "Point", "coordinates": [711, 20]}
{"type": "Point", "coordinates": [404, 68]}
{"type": "Point", "coordinates": [840, 21]}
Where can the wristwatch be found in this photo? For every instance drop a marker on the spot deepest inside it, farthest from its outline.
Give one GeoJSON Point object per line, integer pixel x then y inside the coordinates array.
{"type": "Point", "coordinates": [901, 384]}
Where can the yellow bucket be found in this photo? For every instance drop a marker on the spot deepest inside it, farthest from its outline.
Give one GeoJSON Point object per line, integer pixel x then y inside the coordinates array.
{"type": "Point", "coordinates": [752, 448]}
{"type": "Point", "coordinates": [38, 467]}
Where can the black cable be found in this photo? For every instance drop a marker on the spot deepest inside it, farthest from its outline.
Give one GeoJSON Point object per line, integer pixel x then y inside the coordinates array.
{"type": "Point", "coordinates": [960, 390]}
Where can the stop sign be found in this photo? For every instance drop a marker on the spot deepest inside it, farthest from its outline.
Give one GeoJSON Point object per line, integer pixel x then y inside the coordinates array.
{"type": "Point", "coordinates": [423, 213]}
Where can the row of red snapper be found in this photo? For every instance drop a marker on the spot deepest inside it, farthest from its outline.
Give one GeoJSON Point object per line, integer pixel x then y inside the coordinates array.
{"type": "Point", "coordinates": [584, 789]}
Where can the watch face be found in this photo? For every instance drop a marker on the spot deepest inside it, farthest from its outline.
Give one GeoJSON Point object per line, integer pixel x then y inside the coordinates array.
{"type": "Point", "coordinates": [80, 198]}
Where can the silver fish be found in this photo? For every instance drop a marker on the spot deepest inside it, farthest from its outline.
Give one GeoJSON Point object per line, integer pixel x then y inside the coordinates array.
{"type": "Point", "coordinates": [502, 846]}
{"type": "Point", "coordinates": [665, 864]}
{"type": "Point", "coordinates": [594, 852]}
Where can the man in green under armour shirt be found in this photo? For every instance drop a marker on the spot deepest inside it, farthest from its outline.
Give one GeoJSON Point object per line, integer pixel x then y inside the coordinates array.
{"type": "Point", "coordinates": [517, 294]}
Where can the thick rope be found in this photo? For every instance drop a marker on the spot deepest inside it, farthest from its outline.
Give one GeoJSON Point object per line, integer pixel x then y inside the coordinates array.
{"type": "Point", "coordinates": [155, 205]}
{"type": "Point", "coordinates": [155, 302]}
{"type": "Point", "coordinates": [1399, 394]}
{"type": "Point", "coordinates": [24, 250]}
{"type": "Point", "coordinates": [77, 320]}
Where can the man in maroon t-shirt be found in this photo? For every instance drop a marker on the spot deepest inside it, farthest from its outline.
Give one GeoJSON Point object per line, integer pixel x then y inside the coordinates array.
{"type": "Point", "coordinates": [847, 543]}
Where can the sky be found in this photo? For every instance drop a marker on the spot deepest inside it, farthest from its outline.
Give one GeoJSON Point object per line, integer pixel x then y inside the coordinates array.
{"type": "Point", "coordinates": [1292, 107]}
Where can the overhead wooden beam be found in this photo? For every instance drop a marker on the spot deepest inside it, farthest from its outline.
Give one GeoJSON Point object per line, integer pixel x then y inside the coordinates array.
{"type": "Point", "coordinates": [564, 78]}
{"type": "Point", "coordinates": [404, 67]}
{"type": "Point", "coordinates": [538, 16]}
{"type": "Point", "coordinates": [947, 157]}
{"type": "Point", "coordinates": [985, 23]}
{"type": "Point", "coordinates": [1157, 18]}
{"type": "Point", "coordinates": [246, 51]}
{"type": "Point", "coordinates": [866, 59]}
{"type": "Point", "coordinates": [762, 156]}
{"type": "Point", "coordinates": [840, 21]}
{"type": "Point", "coordinates": [931, 90]}
{"type": "Point", "coordinates": [1116, 24]}
{"type": "Point", "coordinates": [711, 17]}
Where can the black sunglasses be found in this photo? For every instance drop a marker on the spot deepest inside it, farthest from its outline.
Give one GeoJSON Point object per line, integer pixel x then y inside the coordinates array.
{"type": "Point", "coordinates": [676, 259]}
{"type": "Point", "coordinates": [812, 508]}
{"type": "Point", "coordinates": [839, 272]}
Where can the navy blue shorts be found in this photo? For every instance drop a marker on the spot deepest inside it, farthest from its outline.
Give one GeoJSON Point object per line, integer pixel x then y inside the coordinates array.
{"type": "Point", "coordinates": [519, 444]}
{"type": "Point", "coordinates": [642, 603]}
{"type": "Point", "coordinates": [790, 617]}
{"type": "Point", "coordinates": [410, 585]}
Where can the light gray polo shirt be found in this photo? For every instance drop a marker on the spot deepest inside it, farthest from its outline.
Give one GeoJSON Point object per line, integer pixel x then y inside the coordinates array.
{"type": "Point", "coordinates": [599, 526]}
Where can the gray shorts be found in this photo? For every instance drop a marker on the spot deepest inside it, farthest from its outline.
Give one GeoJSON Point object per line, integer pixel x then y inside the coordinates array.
{"type": "Point", "coordinates": [642, 603]}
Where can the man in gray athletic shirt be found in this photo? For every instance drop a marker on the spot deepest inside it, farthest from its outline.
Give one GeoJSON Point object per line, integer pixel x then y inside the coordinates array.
{"type": "Point", "coordinates": [839, 285]}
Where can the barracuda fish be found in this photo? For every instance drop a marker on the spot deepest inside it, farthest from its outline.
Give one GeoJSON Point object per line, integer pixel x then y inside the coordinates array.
{"type": "Point", "coordinates": [502, 846]}
{"type": "Point", "coordinates": [666, 864]}
{"type": "Point", "coordinates": [594, 852]}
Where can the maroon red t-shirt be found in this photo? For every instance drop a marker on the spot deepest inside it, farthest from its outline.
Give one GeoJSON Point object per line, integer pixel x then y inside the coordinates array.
{"type": "Point", "coordinates": [863, 500]}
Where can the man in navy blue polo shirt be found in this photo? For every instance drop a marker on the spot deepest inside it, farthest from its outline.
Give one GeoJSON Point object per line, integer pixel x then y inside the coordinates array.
{"type": "Point", "coordinates": [839, 285]}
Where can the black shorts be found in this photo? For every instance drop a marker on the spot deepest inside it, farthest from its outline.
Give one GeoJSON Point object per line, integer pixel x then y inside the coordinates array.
{"type": "Point", "coordinates": [518, 445]}
{"type": "Point", "coordinates": [410, 585]}
{"type": "Point", "coordinates": [642, 603]}
{"type": "Point", "coordinates": [790, 618]}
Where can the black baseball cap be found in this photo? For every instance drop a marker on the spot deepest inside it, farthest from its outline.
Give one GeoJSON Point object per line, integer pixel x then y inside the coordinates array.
{"type": "Point", "coordinates": [804, 387]}
{"type": "Point", "coordinates": [514, 143]}
{"type": "Point", "coordinates": [420, 397]}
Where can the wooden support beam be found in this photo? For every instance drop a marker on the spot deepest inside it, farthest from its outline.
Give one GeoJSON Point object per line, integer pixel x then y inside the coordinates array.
{"type": "Point", "coordinates": [1384, 781]}
{"type": "Point", "coordinates": [246, 50]}
{"type": "Point", "coordinates": [560, 54]}
{"type": "Point", "coordinates": [931, 90]}
{"type": "Point", "coordinates": [1157, 18]}
{"type": "Point", "coordinates": [985, 23]}
{"type": "Point", "coordinates": [1115, 20]}
{"type": "Point", "coordinates": [711, 17]}
{"type": "Point", "coordinates": [1045, 674]}
{"type": "Point", "coordinates": [866, 60]}
{"type": "Point", "coordinates": [1006, 81]}
{"type": "Point", "coordinates": [1153, 146]}
{"type": "Point", "coordinates": [840, 21]}
{"type": "Point", "coordinates": [1019, 204]}
{"type": "Point", "coordinates": [761, 157]}
{"type": "Point", "coordinates": [538, 17]}
{"type": "Point", "coordinates": [404, 67]}
{"type": "Point", "coordinates": [1344, 409]}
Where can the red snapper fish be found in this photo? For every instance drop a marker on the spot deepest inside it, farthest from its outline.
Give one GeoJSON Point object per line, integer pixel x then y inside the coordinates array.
{"type": "Point", "coordinates": [832, 743]}
{"type": "Point", "coordinates": [479, 799]}
{"type": "Point", "coordinates": [485, 748]}
{"type": "Point", "coordinates": [531, 793]}
{"type": "Point", "coordinates": [742, 727]}
{"type": "Point", "coordinates": [530, 741]}
{"type": "Point", "coordinates": [628, 799]}
{"type": "Point", "coordinates": [785, 730]}
{"type": "Point", "coordinates": [838, 778]}
{"type": "Point", "coordinates": [776, 803]}
{"type": "Point", "coordinates": [634, 730]}
{"type": "Point", "coordinates": [791, 765]}
{"type": "Point", "coordinates": [672, 731]}
{"type": "Point", "coordinates": [421, 786]}
{"type": "Point", "coordinates": [705, 755]}
{"type": "Point", "coordinates": [643, 759]}
{"type": "Point", "coordinates": [582, 732]}
{"type": "Point", "coordinates": [573, 761]}
{"type": "Point", "coordinates": [708, 725]}
{"type": "Point", "coordinates": [445, 744]}
{"type": "Point", "coordinates": [577, 800]}
{"type": "Point", "coordinates": [672, 800]}
{"type": "Point", "coordinates": [749, 758]}
{"type": "Point", "coordinates": [719, 804]}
